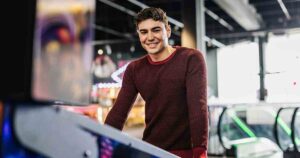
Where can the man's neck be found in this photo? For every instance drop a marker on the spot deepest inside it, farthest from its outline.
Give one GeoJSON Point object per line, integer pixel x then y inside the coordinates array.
{"type": "Point", "coordinates": [160, 56]}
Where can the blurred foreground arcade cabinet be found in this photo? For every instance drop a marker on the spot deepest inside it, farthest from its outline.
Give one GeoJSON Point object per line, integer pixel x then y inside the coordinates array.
{"type": "Point", "coordinates": [49, 66]}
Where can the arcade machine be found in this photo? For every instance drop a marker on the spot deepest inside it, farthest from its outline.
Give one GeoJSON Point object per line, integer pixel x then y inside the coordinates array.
{"type": "Point", "coordinates": [52, 54]}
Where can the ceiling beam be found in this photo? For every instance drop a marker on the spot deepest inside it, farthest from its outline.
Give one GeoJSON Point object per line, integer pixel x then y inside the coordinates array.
{"type": "Point", "coordinates": [113, 32]}
{"type": "Point", "coordinates": [242, 12]}
{"type": "Point", "coordinates": [218, 19]}
{"type": "Point", "coordinates": [258, 32]}
{"type": "Point", "coordinates": [119, 7]}
{"type": "Point", "coordinates": [170, 19]}
{"type": "Point", "coordinates": [284, 9]}
{"type": "Point", "coordinates": [113, 41]}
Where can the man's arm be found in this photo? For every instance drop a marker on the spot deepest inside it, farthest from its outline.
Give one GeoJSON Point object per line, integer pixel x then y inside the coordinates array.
{"type": "Point", "coordinates": [196, 84]}
{"type": "Point", "coordinates": [126, 97]}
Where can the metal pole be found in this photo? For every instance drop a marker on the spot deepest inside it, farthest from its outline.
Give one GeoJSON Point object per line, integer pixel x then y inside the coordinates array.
{"type": "Point", "coordinates": [200, 26]}
{"type": "Point", "coordinates": [262, 68]}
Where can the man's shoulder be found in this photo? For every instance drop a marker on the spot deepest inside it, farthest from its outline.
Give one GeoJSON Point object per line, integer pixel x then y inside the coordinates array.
{"type": "Point", "coordinates": [137, 61]}
{"type": "Point", "coordinates": [185, 51]}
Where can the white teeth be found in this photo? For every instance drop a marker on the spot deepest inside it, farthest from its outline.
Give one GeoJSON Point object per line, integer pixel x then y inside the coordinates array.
{"type": "Point", "coordinates": [152, 44]}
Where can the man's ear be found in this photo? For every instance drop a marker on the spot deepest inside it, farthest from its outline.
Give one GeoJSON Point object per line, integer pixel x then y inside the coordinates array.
{"type": "Point", "coordinates": [169, 31]}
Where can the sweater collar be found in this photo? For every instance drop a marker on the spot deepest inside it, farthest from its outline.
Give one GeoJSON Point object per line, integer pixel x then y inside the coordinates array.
{"type": "Point", "coordinates": [163, 61]}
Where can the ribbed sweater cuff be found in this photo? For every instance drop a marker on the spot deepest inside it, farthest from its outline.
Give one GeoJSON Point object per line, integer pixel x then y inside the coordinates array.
{"type": "Point", "coordinates": [199, 152]}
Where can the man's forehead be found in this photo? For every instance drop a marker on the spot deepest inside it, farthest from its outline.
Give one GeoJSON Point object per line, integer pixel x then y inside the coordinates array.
{"type": "Point", "coordinates": [150, 24]}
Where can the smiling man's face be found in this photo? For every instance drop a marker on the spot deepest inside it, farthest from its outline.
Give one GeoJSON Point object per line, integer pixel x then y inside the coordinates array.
{"type": "Point", "coordinates": [153, 35]}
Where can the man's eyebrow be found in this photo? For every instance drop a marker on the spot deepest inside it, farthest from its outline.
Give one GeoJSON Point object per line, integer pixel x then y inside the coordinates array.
{"type": "Point", "coordinates": [153, 28]}
{"type": "Point", "coordinates": [143, 30]}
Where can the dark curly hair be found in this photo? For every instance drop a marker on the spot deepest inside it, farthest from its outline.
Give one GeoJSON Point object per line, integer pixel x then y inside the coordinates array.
{"type": "Point", "coordinates": [156, 14]}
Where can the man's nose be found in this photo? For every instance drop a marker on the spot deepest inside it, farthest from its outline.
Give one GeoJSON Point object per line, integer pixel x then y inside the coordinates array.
{"type": "Point", "coordinates": [150, 36]}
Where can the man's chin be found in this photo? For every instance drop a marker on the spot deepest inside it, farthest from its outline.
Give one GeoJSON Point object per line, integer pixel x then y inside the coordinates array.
{"type": "Point", "coordinates": [152, 52]}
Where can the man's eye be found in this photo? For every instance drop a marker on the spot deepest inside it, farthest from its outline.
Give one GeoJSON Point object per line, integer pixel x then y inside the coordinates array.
{"type": "Point", "coordinates": [156, 30]}
{"type": "Point", "coordinates": [143, 32]}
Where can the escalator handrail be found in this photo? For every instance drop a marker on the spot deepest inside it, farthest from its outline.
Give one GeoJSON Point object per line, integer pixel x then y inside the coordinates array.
{"type": "Point", "coordinates": [293, 135]}
{"type": "Point", "coordinates": [219, 128]}
{"type": "Point", "coordinates": [275, 128]}
{"type": "Point", "coordinates": [251, 135]}
{"type": "Point", "coordinates": [276, 125]}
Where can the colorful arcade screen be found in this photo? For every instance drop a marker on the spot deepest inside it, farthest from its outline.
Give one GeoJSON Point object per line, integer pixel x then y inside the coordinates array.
{"type": "Point", "coordinates": [63, 51]}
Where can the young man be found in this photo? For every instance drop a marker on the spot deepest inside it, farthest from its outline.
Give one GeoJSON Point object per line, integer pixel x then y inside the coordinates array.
{"type": "Point", "coordinates": [173, 83]}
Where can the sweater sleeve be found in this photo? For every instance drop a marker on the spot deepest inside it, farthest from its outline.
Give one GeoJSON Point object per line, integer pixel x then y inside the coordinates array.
{"type": "Point", "coordinates": [196, 83]}
{"type": "Point", "coordinates": [126, 97]}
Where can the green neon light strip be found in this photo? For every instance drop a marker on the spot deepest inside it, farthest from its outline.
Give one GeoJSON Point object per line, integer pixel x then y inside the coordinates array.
{"type": "Point", "coordinates": [286, 128]}
{"type": "Point", "coordinates": [241, 124]}
{"type": "Point", "coordinates": [250, 133]}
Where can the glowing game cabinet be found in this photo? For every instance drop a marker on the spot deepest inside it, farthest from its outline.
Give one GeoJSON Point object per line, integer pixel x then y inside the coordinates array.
{"type": "Point", "coordinates": [37, 131]}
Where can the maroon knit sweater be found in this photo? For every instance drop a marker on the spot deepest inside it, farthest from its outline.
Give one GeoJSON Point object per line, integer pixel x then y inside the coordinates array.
{"type": "Point", "coordinates": [176, 99]}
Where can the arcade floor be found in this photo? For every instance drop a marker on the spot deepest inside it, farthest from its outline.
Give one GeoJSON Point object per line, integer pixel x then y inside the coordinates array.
{"type": "Point", "coordinates": [135, 131]}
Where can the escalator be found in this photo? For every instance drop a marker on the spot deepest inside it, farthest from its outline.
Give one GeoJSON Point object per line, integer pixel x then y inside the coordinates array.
{"type": "Point", "coordinates": [287, 131]}
{"type": "Point", "coordinates": [244, 133]}
{"type": "Point", "coordinates": [254, 131]}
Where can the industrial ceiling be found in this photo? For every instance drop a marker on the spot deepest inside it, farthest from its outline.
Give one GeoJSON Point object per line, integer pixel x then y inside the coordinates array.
{"type": "Point", "coordinates": [226, 21]}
